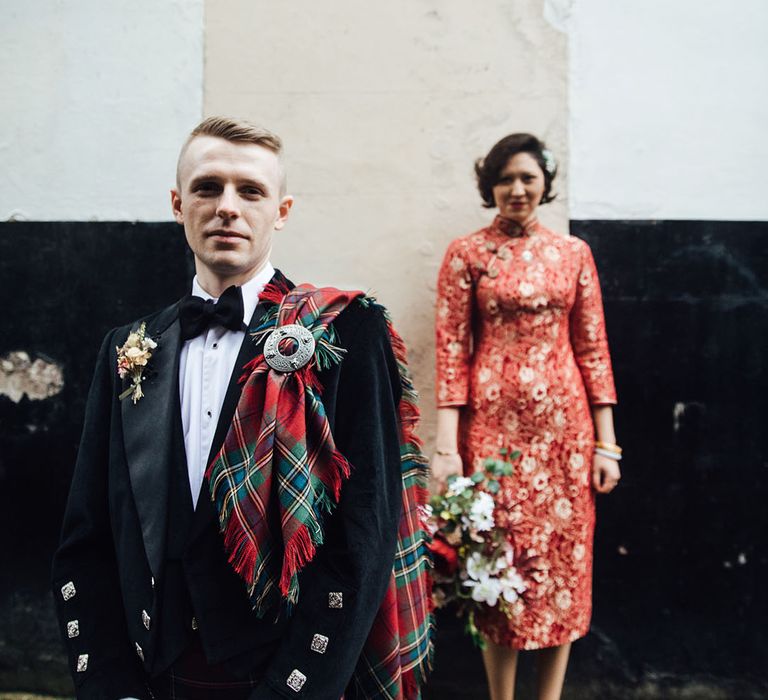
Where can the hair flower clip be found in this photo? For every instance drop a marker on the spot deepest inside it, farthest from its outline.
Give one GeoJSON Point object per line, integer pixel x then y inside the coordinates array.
{"type": "Point", "coordinates": [550, 164]}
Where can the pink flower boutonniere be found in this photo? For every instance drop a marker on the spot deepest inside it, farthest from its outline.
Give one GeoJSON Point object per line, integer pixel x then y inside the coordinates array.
{"type": "Point", "coordinates": [132, 359]}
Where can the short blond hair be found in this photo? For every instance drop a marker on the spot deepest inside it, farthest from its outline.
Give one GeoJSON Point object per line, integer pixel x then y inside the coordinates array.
{"type": "Point", "coordinates": [236, 131]}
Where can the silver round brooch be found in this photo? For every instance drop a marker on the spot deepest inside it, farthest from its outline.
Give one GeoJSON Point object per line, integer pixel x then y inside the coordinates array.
{"type": "Point", "coordinates": [305, 348]}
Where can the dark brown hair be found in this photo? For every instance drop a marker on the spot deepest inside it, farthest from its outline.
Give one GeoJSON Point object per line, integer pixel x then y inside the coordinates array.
{"type": "Point", "coordinates": [488, 169]}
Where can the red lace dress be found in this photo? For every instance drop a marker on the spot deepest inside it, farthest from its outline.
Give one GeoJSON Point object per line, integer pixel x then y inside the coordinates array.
{"type": "Point", "coordinates": [521, 346]}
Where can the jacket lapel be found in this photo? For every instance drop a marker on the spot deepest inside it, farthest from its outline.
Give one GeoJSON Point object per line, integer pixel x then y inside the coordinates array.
{"type": "Point", "coordinates": [148, 434]}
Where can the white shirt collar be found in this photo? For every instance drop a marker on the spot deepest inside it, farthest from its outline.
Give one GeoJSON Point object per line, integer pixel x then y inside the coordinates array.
{"type": "Point", "coordinates": [251, 290]}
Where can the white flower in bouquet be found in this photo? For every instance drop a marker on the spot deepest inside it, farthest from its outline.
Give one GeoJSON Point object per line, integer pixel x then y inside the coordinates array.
{"type": "Point", "coordinates": [478, 567]}
{"type": "Point", "coordinates": [516, 581]}
{"type": "Point", "coordinates": [513, 585]}
{"type": "Point", "coordinates": [485, 591]}
{"type": "Point", "coordinates": [481, 513]}
{"type": "Point", "coordinates": [509, 554]}
{"type": "Point", "coordinates": [459, 485]}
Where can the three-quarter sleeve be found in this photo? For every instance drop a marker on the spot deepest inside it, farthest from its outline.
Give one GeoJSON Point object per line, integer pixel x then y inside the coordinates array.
{"type": "Point", "coordinates": [588, 334]}
{"type": "Point", "coordinates": [453, 326]}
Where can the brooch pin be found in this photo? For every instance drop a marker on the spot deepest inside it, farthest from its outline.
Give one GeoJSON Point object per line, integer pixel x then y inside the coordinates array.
{"type": "Point", "coordinates": [304, 343]}
{"type": "Point", "coordinates": [132, 359]}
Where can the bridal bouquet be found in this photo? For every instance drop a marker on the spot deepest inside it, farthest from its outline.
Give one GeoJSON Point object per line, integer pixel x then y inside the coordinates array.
{"type": "Point", "coordinates": [475, 561]}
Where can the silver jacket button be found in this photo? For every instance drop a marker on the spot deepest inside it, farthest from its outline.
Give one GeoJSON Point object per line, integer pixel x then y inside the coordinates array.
{"type": "Point", "coordinates": [68, 590]}
{"type": "Point", "coordinates": [146, 619]}
{"type": "Point", "coordinates": [73, 628]}
{"type": "Point", "coordinates": [296, 680]}
{"type": "Point", "coordinates": [336, 599]}
{"type": "Point", "coordinates": [82, 663]}
{"type": "Point", "coordinates": [319, 643]}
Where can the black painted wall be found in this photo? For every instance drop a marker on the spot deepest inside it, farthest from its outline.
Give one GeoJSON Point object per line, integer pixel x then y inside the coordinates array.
{"type": "Point", "coordinates": [682, 568]}
{"type": "Point", "coordinates": [62, 287]}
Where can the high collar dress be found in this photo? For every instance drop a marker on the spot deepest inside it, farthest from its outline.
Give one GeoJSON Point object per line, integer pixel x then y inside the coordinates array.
{"type": "Point", "coordinates": [522, 350]}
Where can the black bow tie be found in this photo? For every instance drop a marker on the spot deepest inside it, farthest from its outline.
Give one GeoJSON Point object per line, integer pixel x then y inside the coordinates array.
{"type": "Point", "coordinates": [197, 314]}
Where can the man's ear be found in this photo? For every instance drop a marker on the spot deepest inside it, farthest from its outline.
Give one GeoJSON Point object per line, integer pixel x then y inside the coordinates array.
{"type": "Point", "coordinates": [282, 212]}
{"type": "Point", "coordinates": [176, 207]}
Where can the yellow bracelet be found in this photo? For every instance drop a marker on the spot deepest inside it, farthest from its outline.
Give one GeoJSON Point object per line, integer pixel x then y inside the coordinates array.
{"type": "Point", "coordinates": [608, 446]}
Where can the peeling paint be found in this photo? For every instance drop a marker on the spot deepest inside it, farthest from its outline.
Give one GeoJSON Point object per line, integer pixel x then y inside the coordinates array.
{"type": "Point", "coordinates": [17, 215]}
{"type": "Point", "coordinates": [677, 413]}
{"type": "Point", "coordinates": [680, 411]}
{"type": "Point", "coordinates": [20, 376]}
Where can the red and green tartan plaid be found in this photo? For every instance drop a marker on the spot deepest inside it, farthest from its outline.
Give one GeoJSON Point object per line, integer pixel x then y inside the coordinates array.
{"type": "Point", "coordinates": [279, 464]}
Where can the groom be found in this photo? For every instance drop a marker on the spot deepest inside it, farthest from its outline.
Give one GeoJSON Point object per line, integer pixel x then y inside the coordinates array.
{"type": "Point", "coordinates": [184, 569]}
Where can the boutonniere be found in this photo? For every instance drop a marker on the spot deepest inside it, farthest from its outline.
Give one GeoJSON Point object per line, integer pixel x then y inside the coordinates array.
{"type": "Point", "coordinates": [132, 359]}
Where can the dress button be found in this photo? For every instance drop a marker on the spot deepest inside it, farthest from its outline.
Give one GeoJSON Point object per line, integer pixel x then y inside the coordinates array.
{"type": "Point", "coordinates": [493, 273]}
{"type": "Point", "coordinates": [208, 413]}
{"type": "Point", "coordinates": [215, 345]}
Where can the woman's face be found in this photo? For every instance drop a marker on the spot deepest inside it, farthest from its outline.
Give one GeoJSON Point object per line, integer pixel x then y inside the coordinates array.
{"type": "Point", "coordinates": [520, 188]}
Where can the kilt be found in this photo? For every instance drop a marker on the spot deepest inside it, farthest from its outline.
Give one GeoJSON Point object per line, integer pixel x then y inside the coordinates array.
{"type": "Point", "coordinates": [192, 678]}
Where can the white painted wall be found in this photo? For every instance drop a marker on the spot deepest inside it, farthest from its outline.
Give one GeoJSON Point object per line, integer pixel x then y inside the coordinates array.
{"type": "Point", "coordinates": [96, 99]}
{"type": "Point", "coordinates": [668, 109]}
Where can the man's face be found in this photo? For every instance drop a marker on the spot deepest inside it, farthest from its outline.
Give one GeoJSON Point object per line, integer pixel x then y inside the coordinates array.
{"type": "Point", "coordinates": [229, 201]}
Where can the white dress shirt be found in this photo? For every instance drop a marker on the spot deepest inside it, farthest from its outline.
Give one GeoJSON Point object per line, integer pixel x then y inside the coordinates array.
{"type": "Point", "coordinates": [205, 367]}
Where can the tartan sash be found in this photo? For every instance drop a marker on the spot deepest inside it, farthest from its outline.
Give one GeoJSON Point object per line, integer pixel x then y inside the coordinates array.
{"type": "Point", "coordinates": [279, 473]}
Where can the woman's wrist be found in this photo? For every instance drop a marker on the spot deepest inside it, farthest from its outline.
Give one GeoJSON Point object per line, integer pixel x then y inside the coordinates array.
{"type": "Point", "coordinates": [445, 452]}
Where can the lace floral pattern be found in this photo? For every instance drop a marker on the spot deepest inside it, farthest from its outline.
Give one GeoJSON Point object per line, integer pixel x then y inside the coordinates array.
{"type": "Point", "coordinates": [521, 344]}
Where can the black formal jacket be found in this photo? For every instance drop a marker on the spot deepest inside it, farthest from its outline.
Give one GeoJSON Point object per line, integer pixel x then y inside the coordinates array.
{"type": "Point", "coordinates": [120, 590]}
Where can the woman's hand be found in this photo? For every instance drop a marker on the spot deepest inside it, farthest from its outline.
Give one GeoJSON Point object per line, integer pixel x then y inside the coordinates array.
{"type": "Point", "coordinates": [441, 467]}
{"type": "Point", "coordinates": [446, 440]}
{"type": "Point", "coordinates": [605, 473]}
